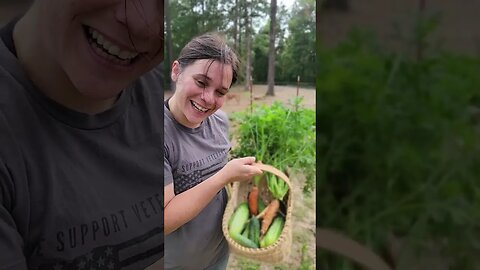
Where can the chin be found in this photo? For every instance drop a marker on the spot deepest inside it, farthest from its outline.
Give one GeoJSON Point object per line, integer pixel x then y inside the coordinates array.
{"type": "Point", "coordinates": [99, 93]}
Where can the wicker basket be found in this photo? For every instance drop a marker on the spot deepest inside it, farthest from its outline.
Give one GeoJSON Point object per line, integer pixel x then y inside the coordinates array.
{"type": "Point", "coordinates": [280, 250]}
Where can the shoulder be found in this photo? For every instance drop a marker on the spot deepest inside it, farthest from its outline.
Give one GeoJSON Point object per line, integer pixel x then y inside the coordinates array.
{"type": "Point", "coordinates": [169, 126]}
{"type": "Point", "coordinates": [14, 86]}
{"type": "Point", "coordinates": [168, 120]}
{"type": "Point", "coordinates": [220, 119]}
{"type": "Point", "coordinates": [11, 161]}
{"type": "Point", "coordinates": [154, 80]}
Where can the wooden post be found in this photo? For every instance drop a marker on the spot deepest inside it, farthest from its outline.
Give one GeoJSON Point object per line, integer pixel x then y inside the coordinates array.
{"type": "Point", "coordinates": [298, 91]}
{"type": "Point", "coordinates": [298, 84]}
{"type": "Point", "coordinates": [251, 95]}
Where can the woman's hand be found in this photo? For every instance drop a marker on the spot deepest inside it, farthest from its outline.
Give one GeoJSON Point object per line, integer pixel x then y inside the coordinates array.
{"type": "Point", "coordinates": [239, 169]}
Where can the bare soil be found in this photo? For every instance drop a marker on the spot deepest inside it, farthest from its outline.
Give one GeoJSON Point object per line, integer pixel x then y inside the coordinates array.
{"type": "Point", "coordinates": [282, 94]}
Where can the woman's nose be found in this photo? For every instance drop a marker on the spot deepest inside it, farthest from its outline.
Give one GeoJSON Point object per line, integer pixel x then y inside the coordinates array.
{"type": "Point", "coordinates": [208, 96]}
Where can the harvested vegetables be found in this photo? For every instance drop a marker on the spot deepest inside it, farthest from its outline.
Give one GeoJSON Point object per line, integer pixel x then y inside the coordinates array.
{"type": "Point", "coordinates": [253, 201]}
{"type": "Point", "coordinates": [254, 225]}
{"type": "Point", "coordinates": [271, 212]}
{"type": "Point", "coordinates": [273, 232]}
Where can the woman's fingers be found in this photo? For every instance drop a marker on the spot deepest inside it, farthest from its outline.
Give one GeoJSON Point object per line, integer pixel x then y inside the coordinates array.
{"type": "Point", "coordinates": [247, 160]}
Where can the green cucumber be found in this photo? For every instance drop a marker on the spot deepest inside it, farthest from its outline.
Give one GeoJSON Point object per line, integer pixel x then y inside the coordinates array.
{"type": "Point", "coordinates": [244, 241]}
{"type": "Point", "coordinates": [239, 219]}
{"type": "Point", "coordinates": [273, 233]}
{"type": "Point", "coordinates": [261, 205]}
{"type": "Point", "coordinates": [254, 233]}
{"type": "Point", "coordinates": [246, 232]}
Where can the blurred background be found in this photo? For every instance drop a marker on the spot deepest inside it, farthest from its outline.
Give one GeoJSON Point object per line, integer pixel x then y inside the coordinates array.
{"type": "Point", "coordinates": [398, 112]}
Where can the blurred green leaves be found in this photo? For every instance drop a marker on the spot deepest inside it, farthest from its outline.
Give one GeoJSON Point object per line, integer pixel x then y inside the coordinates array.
{"type": "Point", "coordinates": [399, 147]}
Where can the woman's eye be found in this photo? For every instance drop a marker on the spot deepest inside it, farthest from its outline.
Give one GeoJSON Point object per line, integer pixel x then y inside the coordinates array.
{"type": "Point", "coordinates": [201, 84]}
{"type": "Point", "coordinates": [221, 94]}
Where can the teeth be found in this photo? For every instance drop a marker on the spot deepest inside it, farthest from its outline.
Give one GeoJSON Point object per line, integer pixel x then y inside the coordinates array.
{"type": "Point", "coordinates": [198, 107]}
{"type": "Point", "coordinates": [114, 50]}
{"type": "Point", "coordinates": [110, 47]}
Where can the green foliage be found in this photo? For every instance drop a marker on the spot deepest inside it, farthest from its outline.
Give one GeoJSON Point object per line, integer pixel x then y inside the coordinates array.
{"type": "Point", "coordinates": [294, 51]}
{"type": "Point", "coordinates": [307, 262]}
{"type": "Point", "coordinates": [260, 56]}
{"type": "Point", "coordinates": [399, 148]}
{"type": "Point", "coordinates": [192, 18]}
{"type": "Point", "coordinates": [298, 56]}
{"type": "Point", "coordinates": [280, 136]}
{"type": "Point", "coordinates": [247, 264]}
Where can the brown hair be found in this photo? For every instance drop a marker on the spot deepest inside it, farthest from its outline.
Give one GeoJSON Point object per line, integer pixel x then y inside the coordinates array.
{"type": "Point", "coordinates": [209, 46]}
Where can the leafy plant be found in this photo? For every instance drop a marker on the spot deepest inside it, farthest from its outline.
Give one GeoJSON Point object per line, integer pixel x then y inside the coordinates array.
{"type": "Point", "coordinates": [280, 135]}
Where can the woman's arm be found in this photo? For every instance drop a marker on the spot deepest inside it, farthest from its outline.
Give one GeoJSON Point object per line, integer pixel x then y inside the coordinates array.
{"type": "Point", "coordinates": [185, 206]}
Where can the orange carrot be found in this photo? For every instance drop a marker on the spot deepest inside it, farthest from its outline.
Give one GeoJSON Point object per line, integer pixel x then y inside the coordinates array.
{"type": "Point", "coordinates": [253, 201]}
{"type": "Point", "coordinates": [271, 212]}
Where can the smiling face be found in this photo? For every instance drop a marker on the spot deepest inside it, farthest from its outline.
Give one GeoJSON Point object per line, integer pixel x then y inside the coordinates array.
{"type": "Point", "coordinates": [200, 90]}
{"type": "Point", "coordinates": [100, 45]}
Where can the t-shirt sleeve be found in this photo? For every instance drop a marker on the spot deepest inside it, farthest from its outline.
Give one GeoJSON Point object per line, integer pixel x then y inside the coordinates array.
{"type": "Point", "coordinates": [224, 122]}
{"type": "Point", "coordinates": [11, 243]}
{"type": "Point", "coordinates": [167, 169]}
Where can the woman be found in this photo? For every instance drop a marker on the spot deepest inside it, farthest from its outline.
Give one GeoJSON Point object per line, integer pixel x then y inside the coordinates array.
{"type": "Point", "coordinates": [196, 149]}
{"type": "Point", "coordinates": [79, 136]}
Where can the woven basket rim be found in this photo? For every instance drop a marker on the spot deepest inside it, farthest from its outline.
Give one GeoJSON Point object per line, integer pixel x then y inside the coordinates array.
{"type": "Point", "coordinates": [233, 203]}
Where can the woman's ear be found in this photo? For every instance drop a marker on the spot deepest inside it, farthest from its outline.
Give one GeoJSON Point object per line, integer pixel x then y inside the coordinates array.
{"type": "Point", "coordinates": [175, 70]}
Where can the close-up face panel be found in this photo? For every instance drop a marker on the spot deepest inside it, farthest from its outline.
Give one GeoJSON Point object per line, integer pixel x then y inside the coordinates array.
{"type": "Point", "coordinates": [81, 87]}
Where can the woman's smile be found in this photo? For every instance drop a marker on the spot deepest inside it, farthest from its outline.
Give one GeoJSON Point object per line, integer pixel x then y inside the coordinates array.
{"type": "Point", "coordinates": [109, 49]}
{"type": "Point", "coordinates": [198, 107]}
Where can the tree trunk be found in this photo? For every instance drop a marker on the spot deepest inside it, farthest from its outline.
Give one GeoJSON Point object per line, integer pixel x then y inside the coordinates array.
{"type": "Point", "coordinates": [248, 65]}
{"type": "Point", "coordinates": [248, 49]}
{"type": "Point", "coordinates": [271, 52]}
{"type": "Point", "coordinates": [235, 25]}
{"type": "Point", "coordinates": [168, 60]}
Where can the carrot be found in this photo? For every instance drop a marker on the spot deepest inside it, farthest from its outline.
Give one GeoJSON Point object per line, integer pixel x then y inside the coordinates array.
{"type": "Point", "coordinates": [271, 212]}
{"type": "Point", "coordinates": [253, 201]}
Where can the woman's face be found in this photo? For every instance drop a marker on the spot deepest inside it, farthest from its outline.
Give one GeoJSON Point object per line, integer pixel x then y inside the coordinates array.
{"type": "Point", "coordinates": [200, 90]}
{"type": "Point", "coordinates": [101, 45]}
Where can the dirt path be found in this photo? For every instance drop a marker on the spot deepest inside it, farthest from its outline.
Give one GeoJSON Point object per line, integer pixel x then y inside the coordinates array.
{"type": "Point", "coordinates": [282, 94]}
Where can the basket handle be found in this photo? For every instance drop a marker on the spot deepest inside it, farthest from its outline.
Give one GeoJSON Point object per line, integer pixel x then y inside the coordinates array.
{"type": "Point", "coordinates": [229, 188]}
{"type": "Point", "coordinates": [333, 241]}
{"type": "Point", "coordinates": [271, 169]}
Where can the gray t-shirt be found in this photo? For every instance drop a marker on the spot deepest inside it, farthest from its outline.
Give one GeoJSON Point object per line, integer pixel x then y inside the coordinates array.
{"type": "Point", "coordinates": [192, 156]}
{"type": "Point", "coordinates": [79, 191]}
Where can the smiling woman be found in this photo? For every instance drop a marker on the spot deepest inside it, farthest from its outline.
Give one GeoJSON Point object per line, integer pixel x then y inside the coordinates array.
{"type": "Point", "coordinates": [80, 42]}
{"type": "Point", "coordinates": [81, 135]}
{"type": "Point", "coordinates": [196, 148]}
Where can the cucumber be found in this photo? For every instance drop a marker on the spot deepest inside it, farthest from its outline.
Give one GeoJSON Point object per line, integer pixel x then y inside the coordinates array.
{"type": "Point", "coordinates": [246, 232]}
{"type": "Point", "coordinates": [244, 241]}
{"type": "Point", "coordinates": [261, 205]}
{"type": "Point", "coordinates": [238, 220]}
{"type": "Point", "coordinates": [254, 233]}
{"type": "Point", "coordinates": [273, 233]}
